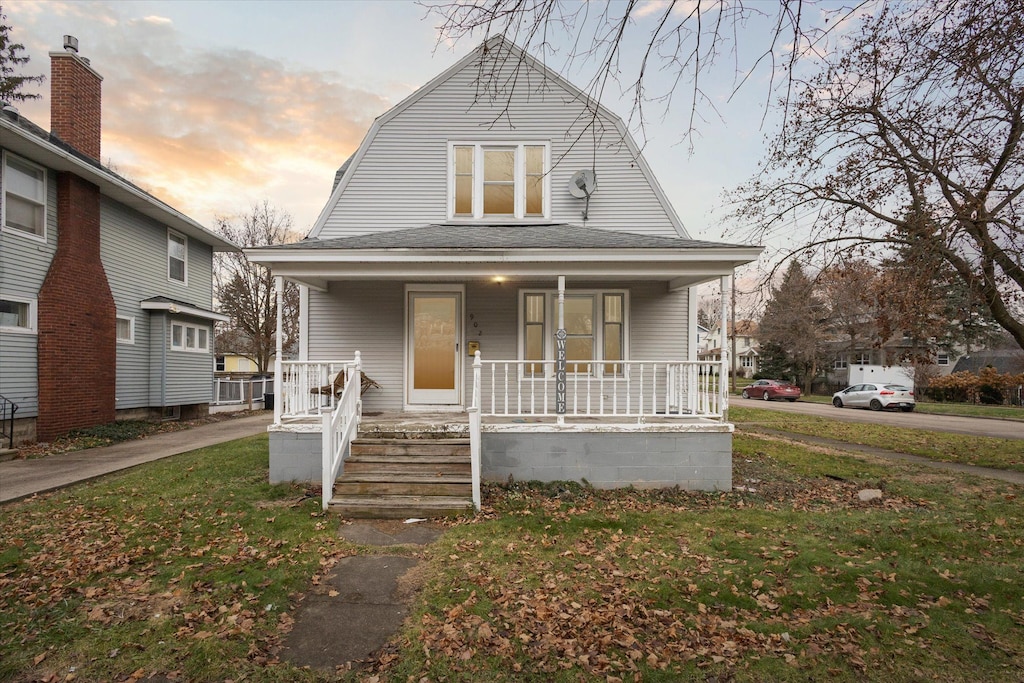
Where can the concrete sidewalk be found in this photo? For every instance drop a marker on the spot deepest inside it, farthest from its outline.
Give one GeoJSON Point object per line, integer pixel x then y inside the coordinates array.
{"type": "Point", "coordinates": [23, 478]}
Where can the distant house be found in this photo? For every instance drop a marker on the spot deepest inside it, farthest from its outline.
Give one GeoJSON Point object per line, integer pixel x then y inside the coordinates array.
{"type": "Point", "coordinates": [470, 220]}
{"type": "Point", "coordinates": [106, 292]}
{"type": "Point", "coordinates": [745, 361]}
{"type": "Point", "coordinates": [1005, 361]}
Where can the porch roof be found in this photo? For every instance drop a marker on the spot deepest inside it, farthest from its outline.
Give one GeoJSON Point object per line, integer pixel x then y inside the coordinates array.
{"type": "Point", "coordinates": [475, 250]}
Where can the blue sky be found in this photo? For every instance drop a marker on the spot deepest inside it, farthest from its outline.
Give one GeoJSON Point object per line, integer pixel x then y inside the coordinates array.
{"type": "Point", "coordinates": [215, 105]}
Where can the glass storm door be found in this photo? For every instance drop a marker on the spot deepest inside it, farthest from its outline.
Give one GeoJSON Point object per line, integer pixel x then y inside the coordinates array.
{"type": "Point", "coordinates": [434, 371]}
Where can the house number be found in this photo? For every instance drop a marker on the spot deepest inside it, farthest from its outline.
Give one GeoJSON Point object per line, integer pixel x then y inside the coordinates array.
{"type": "Point", "coordinates": [560, 372]}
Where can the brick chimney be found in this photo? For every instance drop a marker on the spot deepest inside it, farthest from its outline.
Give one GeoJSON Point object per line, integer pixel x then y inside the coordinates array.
{"type": "Point", "coordinates": [75, 99]}
{"type": "Point", "coordinates": [77, 317]}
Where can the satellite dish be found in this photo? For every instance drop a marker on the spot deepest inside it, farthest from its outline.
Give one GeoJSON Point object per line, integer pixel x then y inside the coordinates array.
{"type": "Point", "coordinates": [583, 184]}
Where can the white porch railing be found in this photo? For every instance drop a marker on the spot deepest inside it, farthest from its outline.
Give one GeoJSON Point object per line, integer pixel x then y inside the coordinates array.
{"type": "Point", "coordinates": [312, 389]}
{"type": "Point", "coordinates": [633, 389]}
{"type": "Point", "coordinates": [340, 427]}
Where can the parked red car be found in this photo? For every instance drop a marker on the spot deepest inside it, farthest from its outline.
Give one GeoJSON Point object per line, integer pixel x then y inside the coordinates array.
{"type": "Point", "coordinates": [769, 389]}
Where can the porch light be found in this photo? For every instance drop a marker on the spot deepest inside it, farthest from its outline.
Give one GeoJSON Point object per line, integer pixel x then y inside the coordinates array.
{"type": "Point", "coordinates": [499, 279]}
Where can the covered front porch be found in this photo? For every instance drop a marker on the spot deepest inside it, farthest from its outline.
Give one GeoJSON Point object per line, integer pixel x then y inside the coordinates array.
{"type": "Point", "coordinates": [559, 352]}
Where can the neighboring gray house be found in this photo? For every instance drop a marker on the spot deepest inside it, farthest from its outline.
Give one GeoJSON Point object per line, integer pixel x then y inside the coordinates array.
{"type": "Point", "coordinates": [105, 291]}
{"type": "Point", "coordinates": [474, 214]}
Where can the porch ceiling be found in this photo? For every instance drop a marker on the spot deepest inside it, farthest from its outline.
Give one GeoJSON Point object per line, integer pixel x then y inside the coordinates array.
{"type": "Point", "coordinates": [475, 252]}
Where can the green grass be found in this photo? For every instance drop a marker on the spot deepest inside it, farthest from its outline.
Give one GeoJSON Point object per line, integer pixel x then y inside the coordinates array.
{"type": "Point", "coordinates": [190, 568]}
{"type": "Point", "coordinates": [948, 447]}
{"type": "Point", "coordinates": [185, 566]}
{"type": "Point", "coordinates": [958, 409]}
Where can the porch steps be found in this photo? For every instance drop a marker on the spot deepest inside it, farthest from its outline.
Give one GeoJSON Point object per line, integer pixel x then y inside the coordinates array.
{"type": "Point", "coordinates": [395, 478]}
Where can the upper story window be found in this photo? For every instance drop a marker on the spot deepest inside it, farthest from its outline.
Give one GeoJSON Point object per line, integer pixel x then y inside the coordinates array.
{"type": "Point", "coordinates": [177, 257]}
{"type": "Point", "coordinates": [24, 196]}
{"type": "Point", "coordinates": [839, 363]}
{"type": "Point", "coordinates": [863, 359]}
{"type": "Point", "coordinates": [500, 180]}
{"type": "Point", "coordinates": [17, 315]}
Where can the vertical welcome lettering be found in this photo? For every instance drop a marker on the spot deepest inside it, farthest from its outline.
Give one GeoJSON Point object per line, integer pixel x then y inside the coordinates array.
{"type": "Point", "coordinates": [560, 372]}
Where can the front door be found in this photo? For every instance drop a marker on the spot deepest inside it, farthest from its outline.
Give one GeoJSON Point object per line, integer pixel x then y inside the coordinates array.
{"type": "Point", "coordinates": [433, 338]}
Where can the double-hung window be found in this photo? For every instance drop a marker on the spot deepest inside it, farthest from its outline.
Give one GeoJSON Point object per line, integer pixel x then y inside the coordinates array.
{"type": "Point", "coordinates": [177, 257]}
{"type": "Point", "coordinates": [498, 180]}
{"type": "Point", "coordinates": [839, 363]}
{"type": "Point", "coordinates": [595, 326]}
{"type": "Point", "coordinates": [24, 196]}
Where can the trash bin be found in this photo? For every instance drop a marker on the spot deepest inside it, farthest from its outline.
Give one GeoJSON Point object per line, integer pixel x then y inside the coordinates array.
{"type": "Point", "coordinates": [268, 401]}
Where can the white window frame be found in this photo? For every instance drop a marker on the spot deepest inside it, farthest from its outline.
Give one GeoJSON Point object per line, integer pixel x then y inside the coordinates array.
{"type": "Point", "coordinates": [130, 319]}
{"type": "Point", "coordinates": [519, 192]}
{"type": "Point", "coordinates": [863, 359]}
{"type": "Point", "coordinates": [942, 358]}
{"type": "Point", "coordinates": [747, 361]}
{"type": "Point", "coordinates": [219, 364]}
{"type": "Point", "coordinates": [10, 230]}
{"type": "Point", "coordinates": [196, 334]}
{"type": "Point", "coordinates": [840, 363]}
{"type": "Point", "coordinates": [31, 315]}
{"type": "Point", "coordinates": [551, 326]}
{"type": "Point", "coordinates": [178, 235]}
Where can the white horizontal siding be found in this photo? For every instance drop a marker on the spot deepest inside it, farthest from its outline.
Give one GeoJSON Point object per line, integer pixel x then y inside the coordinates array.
{"type": "Point", "coordinates": [401, 181]}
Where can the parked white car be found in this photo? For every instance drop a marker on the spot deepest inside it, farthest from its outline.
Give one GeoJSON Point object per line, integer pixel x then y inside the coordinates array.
{"type": "Point", "coordinates": [876, 397]}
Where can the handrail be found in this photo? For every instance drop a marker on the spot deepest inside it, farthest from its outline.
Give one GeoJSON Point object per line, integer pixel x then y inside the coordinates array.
{"type": "Point", "coordinates": [474, 431]}
{"type": "Point", "coordinates": [340, 427]}
{"type": "Point", "coordinates": [308, 387]}
{"type": "Point", "coordinates": [4, 403]}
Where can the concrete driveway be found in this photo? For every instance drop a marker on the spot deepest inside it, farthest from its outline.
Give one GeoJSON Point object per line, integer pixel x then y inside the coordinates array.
{"type": "Point", "coordinates": [974, 426]}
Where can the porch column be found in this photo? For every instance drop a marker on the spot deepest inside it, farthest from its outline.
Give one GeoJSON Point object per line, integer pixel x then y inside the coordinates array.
{"type": "Point", "coordinates": [560, 354]}
{"type": "Point", "coordinates": [278, 380]}
{"type": "Point", "coordinates": [723, 384]}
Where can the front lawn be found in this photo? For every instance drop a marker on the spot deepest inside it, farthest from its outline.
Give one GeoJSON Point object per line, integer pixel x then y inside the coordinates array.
{"type": "Point", "coordinates": [190, 569]}
{"type": "Point", "coordinates": [1007, 454]}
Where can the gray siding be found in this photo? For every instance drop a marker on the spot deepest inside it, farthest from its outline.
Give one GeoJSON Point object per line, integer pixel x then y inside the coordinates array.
{"type": "Point", "coordinates": [370, 317]}
{"type": "Point", "coordinates": [401, 181]}
{"type": "Point", "coordinates": [134, 252]}
{"type": "Point", "coordinates": [178, 377]}
{"type": "Point", "coordinates": [24, 262]}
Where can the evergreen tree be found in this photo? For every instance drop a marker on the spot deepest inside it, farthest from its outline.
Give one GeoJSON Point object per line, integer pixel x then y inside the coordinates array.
{"type": "Point", "coordinates": [12, 58]}
{"type": "Point", "coordinates": [793, 325]}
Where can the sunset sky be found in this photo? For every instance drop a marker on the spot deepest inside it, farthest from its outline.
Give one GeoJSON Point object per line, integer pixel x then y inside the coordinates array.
{"type": "Point", "coordinates": [213, 105]}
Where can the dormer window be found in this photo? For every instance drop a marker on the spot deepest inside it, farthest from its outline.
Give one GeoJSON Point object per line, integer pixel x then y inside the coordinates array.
{"type": "Point", "coordinates": [498, 180]}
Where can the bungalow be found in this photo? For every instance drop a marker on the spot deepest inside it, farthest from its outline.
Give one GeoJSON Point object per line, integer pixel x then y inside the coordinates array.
{"type": "Point", "coordinates": [499, 258]}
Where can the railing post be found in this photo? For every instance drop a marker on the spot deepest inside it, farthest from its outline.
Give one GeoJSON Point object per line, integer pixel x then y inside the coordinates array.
{"type": "Point", "coordinates": [327, 448]}
{"type": "Point", "coordinates": [474, 431]}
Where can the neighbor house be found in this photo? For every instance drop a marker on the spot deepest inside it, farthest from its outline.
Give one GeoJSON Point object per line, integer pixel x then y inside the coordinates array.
{"type": "Point", "coordinates": [506, 267]}
{"type": "Point", "coordinates": [745, 360]}
{"type": "Point", "coordinates": [106, 293]}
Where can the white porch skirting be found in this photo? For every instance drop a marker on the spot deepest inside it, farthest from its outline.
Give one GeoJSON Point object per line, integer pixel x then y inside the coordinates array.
{"type": "Point", "coordinates": [692, 455]}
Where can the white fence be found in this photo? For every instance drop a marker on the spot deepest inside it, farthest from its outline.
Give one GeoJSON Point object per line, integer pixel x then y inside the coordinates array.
{"type": "Point", "coordinates": [227, 391]}
{"type": "Point", "coordinates": [636, 389]}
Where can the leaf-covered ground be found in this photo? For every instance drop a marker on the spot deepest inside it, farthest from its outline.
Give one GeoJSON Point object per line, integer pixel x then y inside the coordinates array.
{"type": "Point", "coordinates": [793, 578]}
{"type": "Point", "coordinates": [190, 569]}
